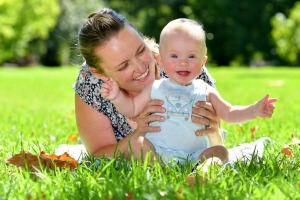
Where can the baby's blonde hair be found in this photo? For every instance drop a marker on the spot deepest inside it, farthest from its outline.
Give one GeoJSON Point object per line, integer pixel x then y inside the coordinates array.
{"type": "Point", "coordinates": [189, 26]}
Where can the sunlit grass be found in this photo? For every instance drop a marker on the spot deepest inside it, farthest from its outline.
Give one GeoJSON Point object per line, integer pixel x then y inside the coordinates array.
{"type": "Point", "coordinates": [37, 113]}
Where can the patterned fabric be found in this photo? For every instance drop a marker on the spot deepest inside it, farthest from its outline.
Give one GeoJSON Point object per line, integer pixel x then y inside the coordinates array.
{"type": "Point", "coordinates": [87, 87]}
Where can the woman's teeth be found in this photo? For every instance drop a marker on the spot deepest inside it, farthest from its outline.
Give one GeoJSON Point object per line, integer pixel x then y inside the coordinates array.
{"type": "Point", "coordinates": [143, 75]}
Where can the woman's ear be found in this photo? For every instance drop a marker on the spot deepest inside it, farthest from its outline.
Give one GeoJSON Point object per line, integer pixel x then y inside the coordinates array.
{"type": "Point", "coordinates": [96, 73]}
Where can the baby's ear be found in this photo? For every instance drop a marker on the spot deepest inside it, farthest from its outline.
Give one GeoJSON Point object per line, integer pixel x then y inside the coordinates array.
{"type": "Point", "coordinates": [204, 61]}
{"type": "Point", "coordinates": [159, 61]}
{"type": "Point", "coordinates": [96, 73]}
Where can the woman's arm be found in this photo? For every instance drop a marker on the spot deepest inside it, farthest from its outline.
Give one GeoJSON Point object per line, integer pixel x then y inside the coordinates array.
{"type": "Point", "coordinates": [96, 132]}
{"type": "Point", "coordinates": [95, 129]}
{"type": "Point", "coordinates": [208, 117]}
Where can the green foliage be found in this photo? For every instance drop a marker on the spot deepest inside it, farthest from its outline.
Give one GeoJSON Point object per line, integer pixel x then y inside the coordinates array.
{"type": "Point", "coordinates": [21, 22]}
{"type": "Point", "coordinates": [286, 35]}
{"type": "Point", "coordinates": [37, 114]}
{"type": "Point", "coordinates": [240, 30]}
{"type": "Point", "coordinates": [60, 48]}
{"type": "Point", "coordinates": [237, 32]}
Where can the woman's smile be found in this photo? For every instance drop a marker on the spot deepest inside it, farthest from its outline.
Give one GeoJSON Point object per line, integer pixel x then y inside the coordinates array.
{"type": "Point", "coordinates": [142, 76]}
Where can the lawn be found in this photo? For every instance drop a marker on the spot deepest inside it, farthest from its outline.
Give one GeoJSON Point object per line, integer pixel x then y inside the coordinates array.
{"type": "Point", "coordinates": [37, 114]}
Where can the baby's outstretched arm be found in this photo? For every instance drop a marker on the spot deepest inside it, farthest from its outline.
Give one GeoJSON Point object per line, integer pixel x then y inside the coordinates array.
{"type": "Point", "coordinates": [264, 108]}
{"type": "Point", "coordinates": [110, 89]}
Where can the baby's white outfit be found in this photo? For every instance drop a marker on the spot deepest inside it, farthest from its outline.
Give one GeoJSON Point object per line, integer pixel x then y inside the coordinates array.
{"type": "Point", "coordinates": [177, 140]}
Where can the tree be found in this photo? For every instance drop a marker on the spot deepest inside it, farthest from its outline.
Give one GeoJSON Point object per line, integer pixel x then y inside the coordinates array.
{"type": "Point", "coordinates": [237, 31]}
{"type": "Point", "coordinates": [23, 21]}
{"type": "Point", "coordinates": [61, 48]}
{"type": "Point", "coordinates": [286, 35]}
{"type": "Point", "coordinates": [240, 30]}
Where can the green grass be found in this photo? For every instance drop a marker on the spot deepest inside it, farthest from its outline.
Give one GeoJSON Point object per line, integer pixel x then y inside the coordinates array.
{"type": "Point", "coordinates": [37, 114]}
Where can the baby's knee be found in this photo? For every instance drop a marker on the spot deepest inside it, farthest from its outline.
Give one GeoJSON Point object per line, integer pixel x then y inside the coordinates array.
{"type": "Point", "coordinates": [218, 151]}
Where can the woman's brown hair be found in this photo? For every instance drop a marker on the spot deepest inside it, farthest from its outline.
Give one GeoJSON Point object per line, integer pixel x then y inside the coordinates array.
{"type": "Point", "coordinates": [97, 29]}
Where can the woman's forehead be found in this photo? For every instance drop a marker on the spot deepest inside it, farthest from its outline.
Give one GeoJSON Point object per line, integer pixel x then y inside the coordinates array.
{"type": "Point", "coordinates": [120, 47]}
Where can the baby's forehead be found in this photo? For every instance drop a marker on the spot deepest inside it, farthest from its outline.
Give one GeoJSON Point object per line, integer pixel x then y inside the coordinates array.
{"type": "Point", "coordinates": [184, 25]}
{"type": "Point", "coordinates": [179, 30]}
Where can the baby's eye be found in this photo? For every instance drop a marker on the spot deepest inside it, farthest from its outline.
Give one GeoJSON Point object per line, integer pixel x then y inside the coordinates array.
{"type": "Point", "coordinates": [173, 56]}
{"type": "Point", "coordinates": [192, 56]}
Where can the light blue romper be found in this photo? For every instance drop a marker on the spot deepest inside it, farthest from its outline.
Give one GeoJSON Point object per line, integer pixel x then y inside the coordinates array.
{"type": "Point", "coordinates": [177, 140]}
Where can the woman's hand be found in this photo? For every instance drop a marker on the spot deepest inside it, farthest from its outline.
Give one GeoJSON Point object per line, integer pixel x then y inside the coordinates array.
{"type": "Point", "coordinates": [209, 118]}
{"type": "Point", "coordinates": [154, 106]}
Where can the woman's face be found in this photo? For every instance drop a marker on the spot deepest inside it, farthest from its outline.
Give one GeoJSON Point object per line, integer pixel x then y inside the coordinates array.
{"type": "Point", "coordinates": [128, 60]}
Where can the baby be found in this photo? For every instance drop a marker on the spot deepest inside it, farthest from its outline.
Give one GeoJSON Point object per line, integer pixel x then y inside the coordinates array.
{"type": "Point", "coordinates": [182, 55]}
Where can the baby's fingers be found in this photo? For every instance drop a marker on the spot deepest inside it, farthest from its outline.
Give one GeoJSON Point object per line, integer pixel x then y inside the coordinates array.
{"type": "Point", "coordinates": [104, 92]}
{"type": "Point", "coordinates": [105, 86]}
{"type": "Point", "coordinates": [269, 110]}
{"type": "Point", "coordinates": [272, 100]}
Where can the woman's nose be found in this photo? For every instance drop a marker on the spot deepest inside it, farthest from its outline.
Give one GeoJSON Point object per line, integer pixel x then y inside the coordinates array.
{"type": "Point", "coordinates": [139, 65]}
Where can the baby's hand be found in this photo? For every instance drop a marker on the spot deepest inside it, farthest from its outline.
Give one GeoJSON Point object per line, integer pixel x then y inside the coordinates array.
{"type": "Point", "coordinates": [265, 107]}
{"type": "Point", "coordinates": [110, 89]}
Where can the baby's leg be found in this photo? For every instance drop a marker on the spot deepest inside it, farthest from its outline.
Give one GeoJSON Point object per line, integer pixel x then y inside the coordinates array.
{"type": "Point", "coordinates": [217, 154]}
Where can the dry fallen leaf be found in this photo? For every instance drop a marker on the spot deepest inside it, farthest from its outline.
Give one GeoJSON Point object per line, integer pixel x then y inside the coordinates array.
{"type": "Point", "coordinates": [72, 138]}
{"type": "Point", "coordinates": [253, 131]}
{"type": "Point", "coordinates": [129, 196]}
{"type": "Point", "coordinates": [25, 159]}
{"type": "Point", "coordinates": [239, 129]}
{"type": "Point", "coordinates": [287, 151]}
{"type": "Point", "coordinates": [192, 180]}
{"type": "Point", "coordinates": [62, 161]}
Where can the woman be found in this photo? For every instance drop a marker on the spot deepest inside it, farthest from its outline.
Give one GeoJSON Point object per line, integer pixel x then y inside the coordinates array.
{"type": "Point", "coordinates": [112, 47]}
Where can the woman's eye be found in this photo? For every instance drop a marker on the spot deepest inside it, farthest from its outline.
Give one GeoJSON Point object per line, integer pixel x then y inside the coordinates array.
{"type": "Point", "coordinates": [123, 67]}
{"type": "Point", "coordinates": [140, 51]}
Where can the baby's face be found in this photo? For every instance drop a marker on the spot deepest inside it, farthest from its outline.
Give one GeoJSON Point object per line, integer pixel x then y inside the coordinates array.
{"type": "Point", "coordinates": [182, 57]}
